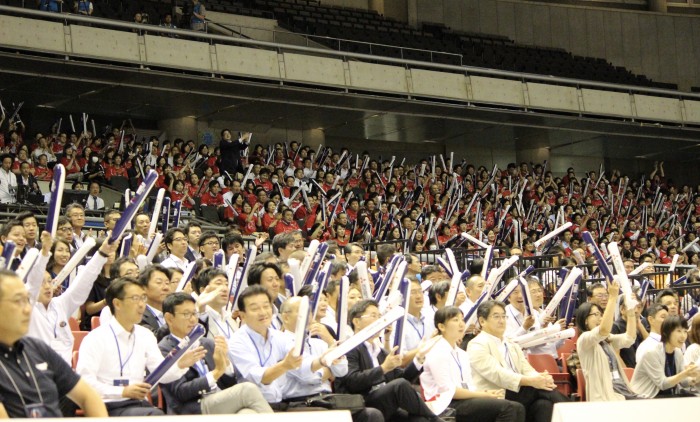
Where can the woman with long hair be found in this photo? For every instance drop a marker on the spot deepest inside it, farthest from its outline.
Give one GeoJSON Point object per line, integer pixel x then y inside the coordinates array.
{"type": "Point", "coordinates": [447, 370]}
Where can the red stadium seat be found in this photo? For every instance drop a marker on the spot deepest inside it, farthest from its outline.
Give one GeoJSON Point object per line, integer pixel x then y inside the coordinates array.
{"type": "Point", "coordinates": [547, 363]}
{"type": "Point", "coordinates": [74, 324]}
{"type": "Point", "coordinates": [568, 346]}
{"type": "Point", "coordinates": [629, 372]}
{"type": "Point", "coordinates": [78, 337]}
{"type": "Point", "coordinates": [581, 385]}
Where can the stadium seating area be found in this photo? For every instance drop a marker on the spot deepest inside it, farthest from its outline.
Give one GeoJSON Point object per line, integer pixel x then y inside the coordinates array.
{"type": "Point", "coordinates": [367, 32]}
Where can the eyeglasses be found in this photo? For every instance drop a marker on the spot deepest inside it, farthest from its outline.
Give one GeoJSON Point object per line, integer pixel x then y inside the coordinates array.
{"type": "Point", "coordinates": [215, 244]}
{"type": "Point", "coordinates": [596, 314]}
{"type": "Point", "coordinates": [188, 315]}
{"type": "Point", "coordinates": [137, 298]}
{"type": "Point", "coordinates": [498, 317]}
{"type": "Point", "coordinates": [21, 301]}
{"type": "Point", "coordinates": [179, 239]}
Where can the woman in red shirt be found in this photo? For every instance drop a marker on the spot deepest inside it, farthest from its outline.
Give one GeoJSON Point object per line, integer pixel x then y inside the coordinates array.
{"type": "Point", "coordinates": [270, 216]}
{"type": "Point", "coordinates": [178, 193]}
{"type": "Point", "coordinates": [69, 161]}
{"type": "Point", "coordinates": [248, 219]}
{"type": "Point", "coordinates": [115, 168]}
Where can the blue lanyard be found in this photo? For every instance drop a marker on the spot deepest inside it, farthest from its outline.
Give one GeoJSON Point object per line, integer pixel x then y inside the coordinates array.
{"type": "Point", "coordinates": [260, 359]}
{"type": "Point", "coordinates": [508, 360]}
{"type": "Point", "coordinates": [119, 352]}
{"type": "Point", "coordinates": [459, 365]}
{"type": "Point", "coordinates": [420, 334]}
{"type": "Point", "coordinates": [227, 333]}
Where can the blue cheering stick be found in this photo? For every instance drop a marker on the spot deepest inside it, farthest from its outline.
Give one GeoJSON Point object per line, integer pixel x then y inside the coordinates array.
{"type": "Point", "coordinates": [178, 209]}
{"type": "Point", "coordinates": [321, 282]}
{"type": "Point", "coordinates": [126, 245]}
{"type": "Point", "coordinates": [243, 280]}
{"type": "Point", "coordinates": [218, 259]}
{"type": "Point", "coordinates": [58, 185]}
{"type": "Point", "coordinates": [384, 281]}
{"type": "Point", "coordinates": [445, 265]}
{"type": "Point", "coordinates": [568, 308]}
{"type": "Point", "coordinates": [7, 253]}
{"type": "Point", "coordinates": [289, 283]}
{"type": "Point", "coordinates": [316, 264]}
{"type": "Point", "coordinates": [680, 280]}
{"type": "Point", "coordinates": [165, 224]}
{"type": "Point", "coordinates": [134, 205]}
{"type": "Point", "coordinates": [405, 290]}
{"type": "Point", "coordinates": [465, 275]}
{"type": "Point", "coordinates": [174, 355]}
{"type": "Point", "coordinates": [602, 265]}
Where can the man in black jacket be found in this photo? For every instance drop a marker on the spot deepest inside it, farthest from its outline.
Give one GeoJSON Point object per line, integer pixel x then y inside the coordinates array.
{"type": "Point", "coordinates": [377, 375]}
{"type": "Point", "coordinates": [209, 386]}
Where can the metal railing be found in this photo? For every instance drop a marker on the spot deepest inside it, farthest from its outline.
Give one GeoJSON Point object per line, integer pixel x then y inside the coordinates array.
{"type": "Point", "coordinates": [212, 38]}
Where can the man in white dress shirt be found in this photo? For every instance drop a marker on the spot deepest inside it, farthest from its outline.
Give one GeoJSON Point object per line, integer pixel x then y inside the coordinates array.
{"type": "Point", "coordinates": [94, 202]}
{"type": "Point", "coordinates": [656, 314]}
{"type": "Point", "coordinates": [114, 357]}
{"type": "Point", "coordinates": [8, 181]}
{"type": "Point", "coordinates": [176, 242]}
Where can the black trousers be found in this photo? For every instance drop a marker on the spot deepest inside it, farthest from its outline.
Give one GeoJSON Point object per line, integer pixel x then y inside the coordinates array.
{"type": "Point", "coordinates": [132, 408]}
{"type": "Point", "coordinates": [538, 403]}
{"type": "Point", "coordinates": [488, 410]}
{"type": "Point", "coordinates": [398, 399]}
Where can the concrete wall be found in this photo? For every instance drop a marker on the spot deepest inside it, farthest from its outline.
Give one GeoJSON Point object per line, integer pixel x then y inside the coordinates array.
{"type": "Point", "coordinates": [664, 47]}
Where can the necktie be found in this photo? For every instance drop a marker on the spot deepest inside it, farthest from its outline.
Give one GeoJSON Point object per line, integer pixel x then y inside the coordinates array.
{"type": "Point", "coordinates": [94, 202]}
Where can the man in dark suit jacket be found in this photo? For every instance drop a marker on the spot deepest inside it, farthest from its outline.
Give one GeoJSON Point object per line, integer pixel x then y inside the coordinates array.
{"type": "Point", "coordinates": [377, 375]}
{"type": "Point", "coordinates": [26, 183]}
{"type": "Point", "coordinates": [155, 279]}
{"type": "Point", "coordinates": [209, 386]}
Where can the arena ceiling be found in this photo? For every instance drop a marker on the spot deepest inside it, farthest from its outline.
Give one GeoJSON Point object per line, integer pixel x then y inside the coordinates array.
{"type": "Point", "coordinates": [75, 87]}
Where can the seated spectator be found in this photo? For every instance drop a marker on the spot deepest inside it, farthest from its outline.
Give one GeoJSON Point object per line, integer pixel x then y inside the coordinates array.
{"type": "Point", "coordinates": [93, 201]}
{"type": "Point", "coordinates": [52, 378]}
{"type": "Point", "coordinates": [656, 314]}
{"type": "Point", "coordinates": [8, 181]}
{"type": "Point", "coordinates": [376, 373]}
{"type": "Point", "coordinates": [650, 380]}
{"type": "Point", "coordinates": [116, 375]}
{"type": "Point", "coordinates": [497, 363]}
{"type": "Point", "coordinates": [209, 387]}
{"type": "Point", "coordinates": [447, 370]}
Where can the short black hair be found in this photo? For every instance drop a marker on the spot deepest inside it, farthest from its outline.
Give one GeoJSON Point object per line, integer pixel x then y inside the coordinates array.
{"type": "Point", "coordinates": [251, 291]}
{"type": "Point", "coordinates": [117, 264]}
{"type": "Point", "coordinates": [7, 227]}
{"type": "Point", "coordinates": [202, 280]}
{"type": "Point", "coordinates": [190, 225]}
{"type": "Point", "coordinates": [444, 314]}
{"type": "Point", "coordinates": [484, 310]}
{"type": "Point", "coordinates": [281, 241]}
{"type": "Point", "coordinates": [670, 324]}
{"type": "Point", "coordinates": [359, 308]}
{"type": "Point", "coordinates": [170, 234]}
{"type": "Point", "coordinates": [206, 236]}
{"type": "Point", "coordinates": [256, 270]}
{"type": "Point", "coordinates": [440, 288]}
{"type": "Point", "coordinates": [384, 253]}
{"type": "Point", "coordinates": [116, 289]}
{"type": "Point", "coordinates": [175, 299]}
{"type": "Point", "coordinates": [231, 239]}
{"type": "Point", "coordinates": [663, 293]}
{"type": "Point", "coordinates": [147, 273]}
{"type": "Point", "coordinates": [25, 215]}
